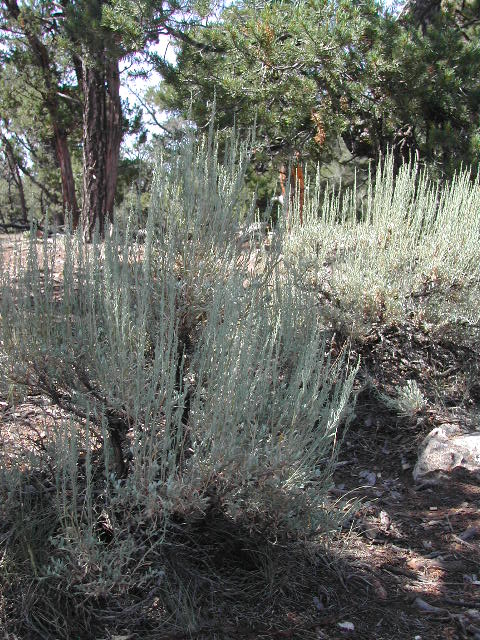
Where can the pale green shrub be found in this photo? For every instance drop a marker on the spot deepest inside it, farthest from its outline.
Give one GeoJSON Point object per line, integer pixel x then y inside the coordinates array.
{"type": "Point", "coordinates": [407, 401]}
{"type": "Point", "coordinates": [194, 391]}
{"type": "Point", "coordinates": [412, 252]}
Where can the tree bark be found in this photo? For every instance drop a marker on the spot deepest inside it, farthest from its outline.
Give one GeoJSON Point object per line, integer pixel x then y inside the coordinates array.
{"type": "Point", "coordinates": [114, 133]}
{"type": "Point", "coordinates": [17, 178]}
{"type": "Point", "coordinates": [94, 150]}
{"type": "Point", "coordinates": [68, 183]}
{"type": "Point", "coordinates": [102, 136]}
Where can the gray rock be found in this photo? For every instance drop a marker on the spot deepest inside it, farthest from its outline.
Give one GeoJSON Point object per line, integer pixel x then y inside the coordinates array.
{"type": "Point", "coordinates": [446, 448]}
{"type": "Point", "coordinates": [344, 170]}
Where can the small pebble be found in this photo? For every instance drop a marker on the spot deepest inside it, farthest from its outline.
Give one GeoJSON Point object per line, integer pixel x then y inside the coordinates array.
{"type": "Point", "coordinates": [346, 626]}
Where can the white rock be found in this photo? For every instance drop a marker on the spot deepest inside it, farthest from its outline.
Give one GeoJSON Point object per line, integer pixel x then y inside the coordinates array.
{"type": "Point", "coordinates": [446, 448]}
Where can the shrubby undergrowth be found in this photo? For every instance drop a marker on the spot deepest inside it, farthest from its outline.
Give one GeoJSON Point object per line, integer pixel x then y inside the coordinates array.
{"type": "Point", "coordinates": [200, 390]}
{"type": "Point", "coordinates": [200, 409]}
{"type": "Point", "coordinates": [410, 252]}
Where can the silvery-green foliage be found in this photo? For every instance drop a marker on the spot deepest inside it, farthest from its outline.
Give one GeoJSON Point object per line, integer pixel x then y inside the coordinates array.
{"type": "Point", "coordinates": [412, 250]}
{"type": "Point", "coordinates": [215, 376]}
{"type": "Point", "coordinates": [407, 401]}
{"type": "Point", "coordinates": [282, 393]}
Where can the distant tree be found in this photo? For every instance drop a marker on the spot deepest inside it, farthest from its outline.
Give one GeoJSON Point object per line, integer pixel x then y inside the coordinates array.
{"type": "Point", "coordinates": [307, 72]}
{"type": "Point", "coordinates": [25, 121]}
{"type": "Point", "coordinates": [31, 32]}
{"type": "Point", "coordinates": [438, 64]}
{"type": "Point", "coordinates": [76, 48]}
{"type": "Point", "coordinates": [14, 175]}
{"type": "Point", "coordinates": [282, 64]}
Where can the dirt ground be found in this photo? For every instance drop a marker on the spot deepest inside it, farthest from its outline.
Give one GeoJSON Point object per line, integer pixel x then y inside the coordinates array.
{"type": "Point", "coordinates": [408, 564]}
{"type": "Point", "coordinates": [414, 553]}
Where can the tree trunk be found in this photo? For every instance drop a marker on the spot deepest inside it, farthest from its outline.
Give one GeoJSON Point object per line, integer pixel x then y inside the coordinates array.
{"type": "Point", "coordinates": [42, 60]}
{"type": "Point", "coordinates": [17, 178]}
{"type": "Point", "coordinates": [102, 135]}
{"type": "Point", "coordinates": [94, 150]}
{"type": "Point", "coordinates": [102, 126]}
{"type": "Point", "coordinates": [114, 133]}
{"type": "Point", "coordinates": [68, 183]}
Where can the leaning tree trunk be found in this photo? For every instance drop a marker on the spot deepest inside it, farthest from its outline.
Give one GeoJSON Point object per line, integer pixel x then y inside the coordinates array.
{"type": "Point", "coordinates": [17, 178]}
{"type": "Point", "coordinates": [70, 205]}
{"type": "Point", "coordinates": [42, 60]}
{"type": "Point", "coordinates": [102, 135]}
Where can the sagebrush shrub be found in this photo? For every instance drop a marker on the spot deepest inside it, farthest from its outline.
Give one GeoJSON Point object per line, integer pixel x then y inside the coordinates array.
{"type": "Point", "coordinates": [410, 252]}
{"type": "Point", "coordinates": [195, 387]}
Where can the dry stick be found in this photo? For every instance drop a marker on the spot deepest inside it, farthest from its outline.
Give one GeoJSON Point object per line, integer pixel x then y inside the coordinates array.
{"type": "Point", "coordinates": [64, 401]}
{"type": "Point", "coordinates": [462, 603]}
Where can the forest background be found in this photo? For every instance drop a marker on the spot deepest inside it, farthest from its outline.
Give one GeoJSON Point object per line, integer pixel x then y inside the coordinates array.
{"type": "Point", "coordinates": [338, 82]}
